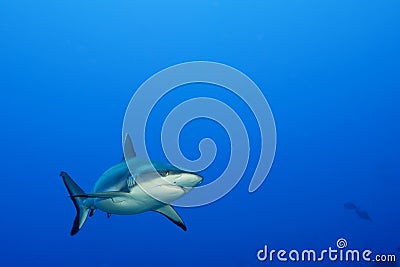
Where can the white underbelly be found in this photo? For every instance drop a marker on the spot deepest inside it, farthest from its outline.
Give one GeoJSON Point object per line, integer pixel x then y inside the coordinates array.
{"type": "Point", "coordinates": [126, 205]}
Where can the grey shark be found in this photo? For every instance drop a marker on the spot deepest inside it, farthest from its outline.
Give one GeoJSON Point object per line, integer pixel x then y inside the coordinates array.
{"type": "Point", "coordinates": [132, 186]}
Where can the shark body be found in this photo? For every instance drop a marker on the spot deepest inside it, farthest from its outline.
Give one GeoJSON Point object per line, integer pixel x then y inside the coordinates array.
{"type": "Point", "coordinates": [132, 186]}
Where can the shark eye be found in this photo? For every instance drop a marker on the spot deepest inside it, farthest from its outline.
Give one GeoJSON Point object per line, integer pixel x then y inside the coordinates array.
{"type": "Point", "coordinates": [164, 173]}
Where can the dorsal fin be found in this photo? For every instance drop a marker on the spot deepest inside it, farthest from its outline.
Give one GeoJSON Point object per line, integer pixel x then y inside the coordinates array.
{"type": "Point", "coordinates": [129, 151]}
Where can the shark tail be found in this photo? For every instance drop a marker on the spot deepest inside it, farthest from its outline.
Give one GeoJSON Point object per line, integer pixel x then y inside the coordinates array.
{"type": "Point", "coordinates": [82, 211]}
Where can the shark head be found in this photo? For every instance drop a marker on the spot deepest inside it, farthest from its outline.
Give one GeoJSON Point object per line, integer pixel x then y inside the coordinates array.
{"type": "Point", "coordinates": [160, 180]}
{"type": "Point", "coordinates": [182, 178]}
{"type": "Point", "coordinates": [167, 184]}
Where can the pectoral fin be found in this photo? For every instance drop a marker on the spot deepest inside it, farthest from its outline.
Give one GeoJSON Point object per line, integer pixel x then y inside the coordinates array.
{"type": "Point", "coordinates": [111, 194]}
{"type": "Point", "coordinates": [169, 212]}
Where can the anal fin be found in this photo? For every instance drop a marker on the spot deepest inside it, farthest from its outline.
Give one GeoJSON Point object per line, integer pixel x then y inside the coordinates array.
{"type": "Point", "coordinates": [91, 212]}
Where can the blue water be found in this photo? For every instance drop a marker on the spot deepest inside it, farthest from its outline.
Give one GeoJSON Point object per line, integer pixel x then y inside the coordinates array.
{"type": "Point", "coordinates": [329, 70]}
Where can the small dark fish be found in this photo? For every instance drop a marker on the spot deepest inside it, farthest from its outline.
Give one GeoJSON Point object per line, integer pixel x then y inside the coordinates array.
{"type": "Point", "coordinates": [350, 206]}
{"type": "Point", "coordinates": [363, 215]}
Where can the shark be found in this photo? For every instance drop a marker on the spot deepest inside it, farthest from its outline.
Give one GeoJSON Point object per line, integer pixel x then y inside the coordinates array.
{"type": "Point", "coordinates": [134, 185]}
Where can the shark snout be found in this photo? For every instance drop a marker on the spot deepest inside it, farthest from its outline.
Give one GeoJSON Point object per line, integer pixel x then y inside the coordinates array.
{"type": "Point", "coordinates": [189, 180]}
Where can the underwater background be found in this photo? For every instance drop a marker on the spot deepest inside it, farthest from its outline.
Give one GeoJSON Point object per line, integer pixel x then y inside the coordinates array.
{"type": "Point", "coordinates": [329, 70]}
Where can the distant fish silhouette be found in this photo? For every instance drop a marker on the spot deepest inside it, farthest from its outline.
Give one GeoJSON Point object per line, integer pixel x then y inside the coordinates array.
{"type": "Point", "coordinates": [350, 206]}
{"type": "Point", "coordinates": [363, 215]}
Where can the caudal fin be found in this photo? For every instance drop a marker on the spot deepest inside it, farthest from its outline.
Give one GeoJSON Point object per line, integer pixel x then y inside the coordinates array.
{"type": "Point", "coordinates": [81, 210]}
